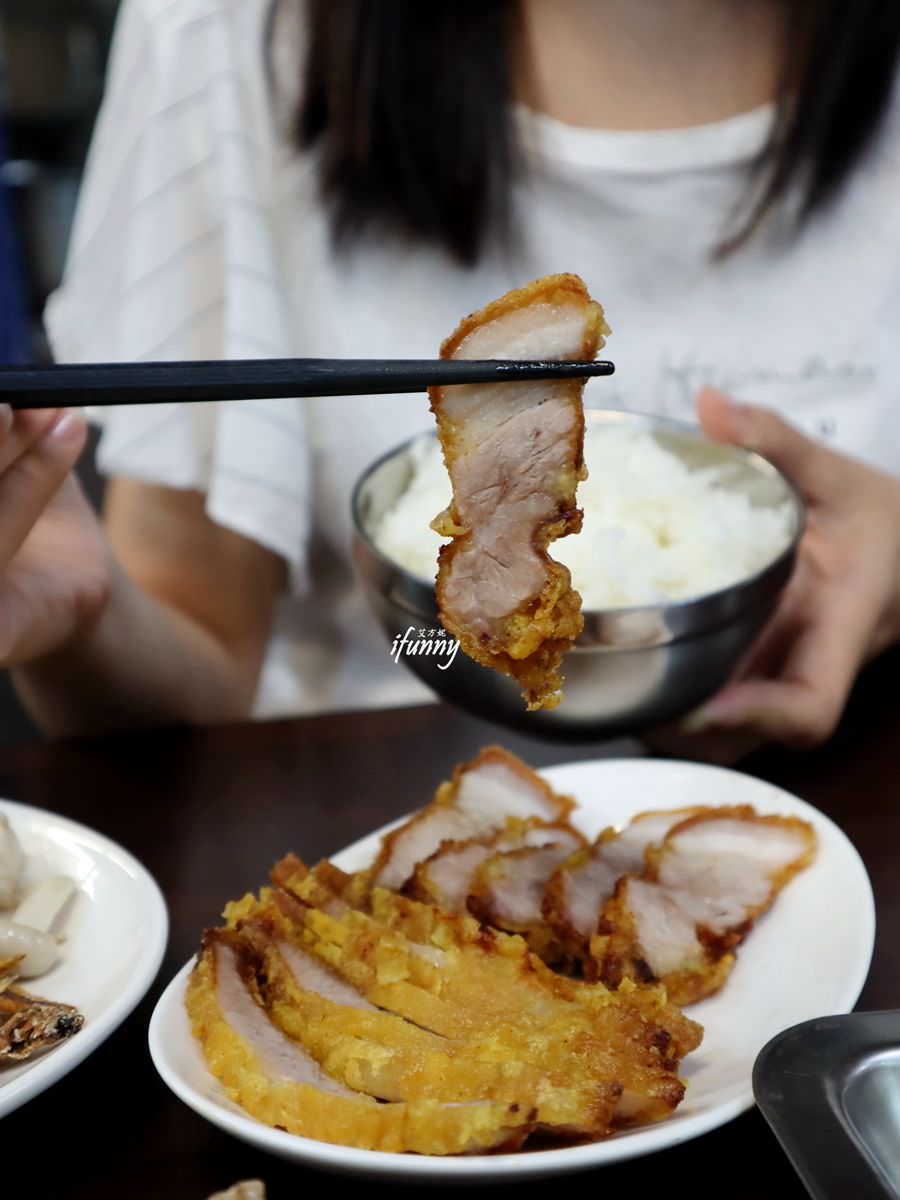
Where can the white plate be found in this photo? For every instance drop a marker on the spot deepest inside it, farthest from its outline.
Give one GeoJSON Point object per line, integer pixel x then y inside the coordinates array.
{"type": "Point", "coordinates": [116, 928]}
{"type": "Point", "coordinates": [806, 958]}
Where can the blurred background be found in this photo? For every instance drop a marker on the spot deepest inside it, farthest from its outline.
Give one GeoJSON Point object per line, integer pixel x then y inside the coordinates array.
{"type": "Point", "coordinates": [52, 62]}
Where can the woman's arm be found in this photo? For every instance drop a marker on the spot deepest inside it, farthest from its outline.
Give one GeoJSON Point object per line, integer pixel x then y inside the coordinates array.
{"type": "Point", "coordinates": [181, 632]}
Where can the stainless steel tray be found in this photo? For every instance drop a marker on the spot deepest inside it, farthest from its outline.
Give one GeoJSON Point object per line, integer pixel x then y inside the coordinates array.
{"type": "Point", "coordinates": [830, 1089]}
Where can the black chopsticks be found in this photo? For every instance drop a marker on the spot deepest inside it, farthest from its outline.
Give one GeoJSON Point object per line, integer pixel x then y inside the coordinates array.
{"type": "Point", "coordinates": [254, 379]}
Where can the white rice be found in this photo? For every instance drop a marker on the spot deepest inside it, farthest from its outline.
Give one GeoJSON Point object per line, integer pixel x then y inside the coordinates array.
{"type": "Point", "coordinates": [653, 529]}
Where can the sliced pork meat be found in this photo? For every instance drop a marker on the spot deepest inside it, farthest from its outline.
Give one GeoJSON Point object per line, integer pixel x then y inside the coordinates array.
{"type": "Point", "coordinates": [311, 976]}
{"type": "Point", "coordinates": [508, 889]}
{"type": "Point", "coordinates": [419, 837]}
{"type": "Point", "coordinates": [278, 1082]}
{"type": "Point", "coordinates": [645, 830]}
{"type": "Point", "coordinates": [514, 453]}
{"type": "Point", "coordinates": [647, 935]}
{"type": "Point", "coordinates": [712, 876]}
{"type": "Point", "coordinates": [576, 893]}
{"type": "Point", "coordinates": [730, 865]}
{"type": "Point", "coordinates": [384, 1056]}
{"type": "Point", "coordinates": [499, 783]}
{"type": "Point", "coordinates": [236, 994]}
{"type": "Point", "coordinates": [478, 802]}
{"type": "Point", "coordinates": [426, 925]}
{"type": "Point", "coordinates": [446, 878]}
{"type": "Point", "coordinates": [666, 898]}
{"type": "Point", "coordinates": [581, 886]}
{"type": "Point", "coordinates": [446, 974]}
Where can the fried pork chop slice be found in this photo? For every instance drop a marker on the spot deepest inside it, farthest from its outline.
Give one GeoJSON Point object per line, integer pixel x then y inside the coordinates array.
{"type": "Point", "coordinates": [704, 885]}
{"type": "Point", "coordinates": [434, 930]}
{"type": "Point", "coordinates": [508, 889]}
{"type": "Point", "coordinates": [385, 1056]}
{"type": "Point", "coordinates": [429, 926]}
{"type": "Point", "coordinates": [478, 802]}
{"type": "Point", "coordinates": [446, 878]}
{"type": "Point", "coordinates": [580, 887]}
{"type": "Point", "coordinates": [276, 1081]}
{"type": "Point", "coordinates": [514, 453]}
{"type": "Point", "coordinates": [450, 975]}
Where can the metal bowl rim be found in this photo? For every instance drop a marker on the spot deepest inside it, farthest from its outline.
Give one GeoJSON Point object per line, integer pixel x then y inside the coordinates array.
{"type": "Point", "coordinates": [684, 608]}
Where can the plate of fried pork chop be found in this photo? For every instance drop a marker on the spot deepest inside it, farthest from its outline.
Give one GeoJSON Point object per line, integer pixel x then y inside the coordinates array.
{"type": "Point", "coordinates": [651, 923]}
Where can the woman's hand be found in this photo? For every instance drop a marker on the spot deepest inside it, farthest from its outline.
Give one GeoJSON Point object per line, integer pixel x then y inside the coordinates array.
{"type": "Point", "coordinates": [842, 606]}
{"type": "Point", "coordinates": [157, 616]}
{"type": "Point", "coordinates": [54, 562]}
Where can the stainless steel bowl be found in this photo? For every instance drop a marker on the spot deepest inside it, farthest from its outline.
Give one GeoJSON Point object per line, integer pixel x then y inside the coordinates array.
{"type": "Point", "coordinates": [631, 668]}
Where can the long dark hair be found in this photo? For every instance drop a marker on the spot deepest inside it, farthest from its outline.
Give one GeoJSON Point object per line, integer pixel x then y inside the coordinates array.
{"type": "Point", "coordinates": [409, 102]}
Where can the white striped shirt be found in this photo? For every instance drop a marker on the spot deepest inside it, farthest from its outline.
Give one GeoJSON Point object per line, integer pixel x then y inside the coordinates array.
{"type": "Point", "coordinates": [199, 234]}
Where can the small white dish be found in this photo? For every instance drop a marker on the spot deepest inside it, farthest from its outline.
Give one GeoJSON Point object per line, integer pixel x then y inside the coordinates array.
{"type": "Point", "coordinates": [808, 957]}
{"type": "Point", "coordinates": [115, 929]}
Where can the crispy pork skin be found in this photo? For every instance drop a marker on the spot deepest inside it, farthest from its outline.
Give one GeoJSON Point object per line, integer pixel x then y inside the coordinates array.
{"type": "Point", "coordinates": [514, 453]}
{"type": "Point", "coordinates": [448, 974]}
{"type": "Point", "coordinates": [382, 1055]}
{"type": "Point", "coordinates": [279, 1083]}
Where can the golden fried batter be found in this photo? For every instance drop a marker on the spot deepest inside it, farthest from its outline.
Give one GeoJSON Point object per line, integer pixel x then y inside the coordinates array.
{"type": "Point", "coordinates": [275, 1081]}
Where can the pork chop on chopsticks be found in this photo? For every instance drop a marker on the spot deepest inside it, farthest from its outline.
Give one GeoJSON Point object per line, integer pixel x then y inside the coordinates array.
{"type": "Point", "coordinates": [514, 453]}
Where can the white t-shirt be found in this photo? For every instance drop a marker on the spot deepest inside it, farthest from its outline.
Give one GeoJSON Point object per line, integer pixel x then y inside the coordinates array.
{"type": "Point", "coordinates": [200, 234]}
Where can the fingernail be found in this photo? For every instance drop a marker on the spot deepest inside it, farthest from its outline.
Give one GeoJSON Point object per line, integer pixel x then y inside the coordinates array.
{"type": "Point", "coordinates": [69, 427]}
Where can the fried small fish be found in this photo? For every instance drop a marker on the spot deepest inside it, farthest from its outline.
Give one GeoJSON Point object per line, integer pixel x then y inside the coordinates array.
{"type": "Point", "coordinates": [30, 1024]}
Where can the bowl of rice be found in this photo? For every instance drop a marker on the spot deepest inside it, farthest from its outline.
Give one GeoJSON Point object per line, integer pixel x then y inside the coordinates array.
{"type": "Point", "coordinates": [685, 549]}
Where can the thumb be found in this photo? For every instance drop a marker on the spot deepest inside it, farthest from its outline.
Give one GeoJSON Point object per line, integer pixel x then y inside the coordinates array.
{"type": "Point", "coordinates": [807, 463]}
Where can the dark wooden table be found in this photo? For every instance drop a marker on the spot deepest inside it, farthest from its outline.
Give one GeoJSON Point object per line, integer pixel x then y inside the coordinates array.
{"type": "Point", "coordinates": [208, 812]}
